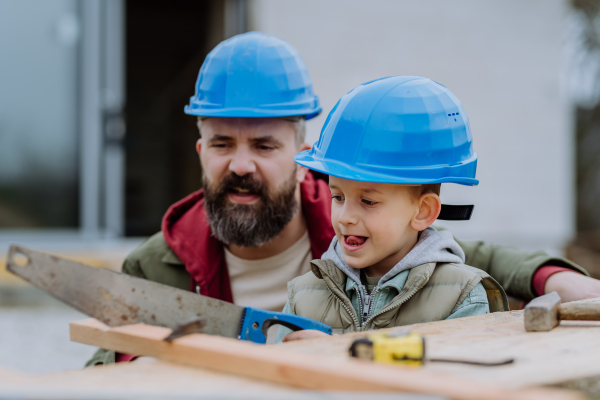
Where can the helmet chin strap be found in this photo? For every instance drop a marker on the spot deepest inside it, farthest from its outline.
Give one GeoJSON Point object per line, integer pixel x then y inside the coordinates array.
{"type": "Point", "coordinates": [456, 213]}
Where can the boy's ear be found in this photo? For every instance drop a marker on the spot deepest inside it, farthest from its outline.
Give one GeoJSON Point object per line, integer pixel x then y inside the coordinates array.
{"type": "Point", "coordinates": [430, 207]}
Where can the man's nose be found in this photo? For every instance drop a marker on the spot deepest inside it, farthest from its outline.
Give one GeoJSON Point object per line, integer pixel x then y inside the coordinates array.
{"type": "Point", "coordinates": [242, 163]}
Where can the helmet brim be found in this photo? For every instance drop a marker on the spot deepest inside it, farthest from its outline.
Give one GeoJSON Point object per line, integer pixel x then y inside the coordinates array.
{"type": "Point", "coordinates": [442, 173]}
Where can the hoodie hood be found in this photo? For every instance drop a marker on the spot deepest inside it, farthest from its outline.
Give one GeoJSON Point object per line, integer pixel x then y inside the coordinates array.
{"type": "Point", "coordinates": [433, 246]}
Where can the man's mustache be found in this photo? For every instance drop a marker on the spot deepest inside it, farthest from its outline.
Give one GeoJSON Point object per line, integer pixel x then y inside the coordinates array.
{"type": "Point", "coordinates": [233, 183]}
{"type": "Point", "coordinates": [249, 225]}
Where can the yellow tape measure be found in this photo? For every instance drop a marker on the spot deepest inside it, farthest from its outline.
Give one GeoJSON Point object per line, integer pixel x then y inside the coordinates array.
{"type": "Point", "coordinates": [406, 348]}
{"type": "Point", "coordinates": [400, 348]}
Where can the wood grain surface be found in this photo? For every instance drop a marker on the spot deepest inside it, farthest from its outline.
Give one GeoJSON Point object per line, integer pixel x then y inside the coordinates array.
{"type": "Point", "coordinates": [324, 364]}
{"type": "Point", "coordinates": [160, 380]}
{"type": "Point", "coordinates": [569, 351]}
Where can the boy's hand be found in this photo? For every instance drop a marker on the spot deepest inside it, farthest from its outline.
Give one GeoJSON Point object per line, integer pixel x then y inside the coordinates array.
{"type": "Point", "coordinates": [304, 334]}
{"type": "Point", "coordinates": [145, 359]}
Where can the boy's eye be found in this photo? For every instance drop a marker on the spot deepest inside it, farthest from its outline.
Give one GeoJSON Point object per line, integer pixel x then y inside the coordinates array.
{"type": "Point", "coordinates": [338, 198]}
{"type": "Point", "coordinates": [368, 202]}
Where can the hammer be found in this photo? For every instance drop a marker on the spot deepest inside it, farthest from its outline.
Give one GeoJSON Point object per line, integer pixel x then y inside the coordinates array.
{"type": "Point", "coordinates": [545, 312]}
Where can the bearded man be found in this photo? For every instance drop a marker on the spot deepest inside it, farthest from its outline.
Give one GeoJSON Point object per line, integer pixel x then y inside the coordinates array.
{"type": "Point", "coordinates": [260, 218]}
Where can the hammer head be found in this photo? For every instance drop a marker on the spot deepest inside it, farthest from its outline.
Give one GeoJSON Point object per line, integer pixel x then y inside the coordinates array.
{"type": "Point", "coordinates": [541, 314]}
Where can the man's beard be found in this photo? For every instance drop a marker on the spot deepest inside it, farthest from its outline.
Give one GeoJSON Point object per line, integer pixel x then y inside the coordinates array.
{"type": "Point", "coordinates": [249, 225]}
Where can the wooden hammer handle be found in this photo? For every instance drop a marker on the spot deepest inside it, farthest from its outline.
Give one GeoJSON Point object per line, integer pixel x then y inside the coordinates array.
{"type": "Point", "coordinates": [580, 312]}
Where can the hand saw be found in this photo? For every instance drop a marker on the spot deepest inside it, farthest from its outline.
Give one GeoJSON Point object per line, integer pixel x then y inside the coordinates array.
{"type": "Point", "coordinates": [120, 299]}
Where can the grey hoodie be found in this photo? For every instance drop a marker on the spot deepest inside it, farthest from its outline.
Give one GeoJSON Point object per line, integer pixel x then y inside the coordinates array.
{"type": "Point", "coordinates": [433, 246]}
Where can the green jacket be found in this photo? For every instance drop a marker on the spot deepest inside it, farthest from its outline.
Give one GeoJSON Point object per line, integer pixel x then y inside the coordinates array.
{"type": "Point", "coordinates": [428, 292]}
{"type": "Point", "coordinates": [513, 269]}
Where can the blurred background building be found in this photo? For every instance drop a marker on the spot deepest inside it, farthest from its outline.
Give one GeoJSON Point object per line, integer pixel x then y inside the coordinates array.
{"type": "Point", "coordinates": [94, 144]}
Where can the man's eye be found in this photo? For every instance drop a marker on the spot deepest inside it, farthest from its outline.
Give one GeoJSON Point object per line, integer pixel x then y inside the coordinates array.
{"type": "Point", "coordinates": [369, 202]}
{"type": "Point", "coordinates": [219, 145]}
{"type": "Point", "coordinates": [265, 147]}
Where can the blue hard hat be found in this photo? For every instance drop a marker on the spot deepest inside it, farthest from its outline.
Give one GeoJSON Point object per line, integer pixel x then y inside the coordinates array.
{"type": "Point", "coordinates": [253, 75]}
{"type": "Point", "coordinates": [400, 129]}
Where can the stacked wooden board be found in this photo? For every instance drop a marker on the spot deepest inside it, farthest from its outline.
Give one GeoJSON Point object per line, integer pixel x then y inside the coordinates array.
{"type": "Point", "coordinates": [161, 380]}
{"type": "Point", "coordinates": [569, 352]}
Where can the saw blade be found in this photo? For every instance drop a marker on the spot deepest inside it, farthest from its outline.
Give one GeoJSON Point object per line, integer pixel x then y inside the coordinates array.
{"type": "Point", "coordinates": [119, 299]}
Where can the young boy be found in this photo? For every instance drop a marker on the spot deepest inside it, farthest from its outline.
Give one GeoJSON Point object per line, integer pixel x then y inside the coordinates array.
{"type": "Point", "coordinates": [387, 146]}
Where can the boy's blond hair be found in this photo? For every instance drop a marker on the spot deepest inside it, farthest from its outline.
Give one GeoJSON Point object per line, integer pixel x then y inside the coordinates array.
{"type": "Point", "coordinates": [422, 189]}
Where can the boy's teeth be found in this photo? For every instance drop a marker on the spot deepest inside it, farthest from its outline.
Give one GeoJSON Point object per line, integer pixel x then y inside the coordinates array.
{"type": "Point", "coordinates": [355, 240]}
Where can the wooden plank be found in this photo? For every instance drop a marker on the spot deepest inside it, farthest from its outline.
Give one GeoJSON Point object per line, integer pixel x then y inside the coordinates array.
{"type": "Point", "coordinates": [141, 380]}
{"type": "Point", "coordinates": [279, 364]}
{"type": "Point", "coordinates": [568, 352]}
{"type": "Point", "coordinates": [161, 380]}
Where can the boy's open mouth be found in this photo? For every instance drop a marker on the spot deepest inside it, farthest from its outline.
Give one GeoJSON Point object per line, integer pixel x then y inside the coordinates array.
{"type": "Point", "coordinates": [353, 242]}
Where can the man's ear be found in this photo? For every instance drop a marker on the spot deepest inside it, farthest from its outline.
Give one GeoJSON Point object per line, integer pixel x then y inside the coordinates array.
{"type": "Point", "coordinates": [301, 171]}
{"type": "Point", "coordinates": [199, 146]}
{"type": "Point", "coordinates": [430, 207]}
{"type": "Point", "coordinates": [304, 146]}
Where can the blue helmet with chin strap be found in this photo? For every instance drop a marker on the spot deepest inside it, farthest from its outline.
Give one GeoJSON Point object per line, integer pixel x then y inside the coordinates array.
{"type": "Point", "coordinates": [253, 75]}
{"type": "Point", "coordinates": [402, 130]}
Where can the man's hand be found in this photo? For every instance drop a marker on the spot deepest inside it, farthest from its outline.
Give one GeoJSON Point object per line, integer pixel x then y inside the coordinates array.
{"type": "Point", "coordinates": [572, 286]}
{"type": "Point", "coordinates": [304, 334]}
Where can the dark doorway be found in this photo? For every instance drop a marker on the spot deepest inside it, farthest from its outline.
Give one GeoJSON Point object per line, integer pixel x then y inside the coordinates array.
{"type": "Point", "coordinates": [166, 43]}
{"type": "Point", "coordinates": [585, 37]}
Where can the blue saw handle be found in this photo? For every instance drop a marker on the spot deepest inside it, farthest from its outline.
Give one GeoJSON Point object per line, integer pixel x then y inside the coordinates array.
{"type": "Point", "coordinates": [257, 322]}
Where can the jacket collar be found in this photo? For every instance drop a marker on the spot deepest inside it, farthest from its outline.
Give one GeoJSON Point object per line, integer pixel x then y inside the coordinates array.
{"type": "Point", "coordinates": [397, 283]}
{"type": "Point", "coordinates": [187, 232]}
{"type": "Point", "coordinates": [337, 282]}
{"type": "Point", "coordinates": [405, 282]}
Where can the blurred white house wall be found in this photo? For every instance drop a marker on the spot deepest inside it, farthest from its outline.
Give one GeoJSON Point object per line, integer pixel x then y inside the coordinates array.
{"type": "Point", "coordinates": [501, 58]}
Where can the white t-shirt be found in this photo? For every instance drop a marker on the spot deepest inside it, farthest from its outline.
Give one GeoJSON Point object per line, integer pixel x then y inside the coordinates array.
{"type": "Point", "coordinates": [263, 283]}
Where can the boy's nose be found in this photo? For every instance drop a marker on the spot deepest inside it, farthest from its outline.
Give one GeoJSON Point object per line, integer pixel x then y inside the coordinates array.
{"type": "Point", "coordinates": [242, 163]}
{"type": "Point", "coordinates": [348, 215]}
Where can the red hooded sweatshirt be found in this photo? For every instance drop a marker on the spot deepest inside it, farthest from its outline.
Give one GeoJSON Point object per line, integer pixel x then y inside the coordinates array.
{"type": "Point", "coordinates": [187, 232]}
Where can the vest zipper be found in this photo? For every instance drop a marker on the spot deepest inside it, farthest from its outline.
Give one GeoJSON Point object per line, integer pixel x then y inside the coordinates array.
{"type": "Point", "coordinates": [351, 312]}
{"type": "Point", "coordinates": [372, 301]}
{"type": "Point", "coordinates": [384, 310]}
{"type": "Point", "coordinates": [367, 305]}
